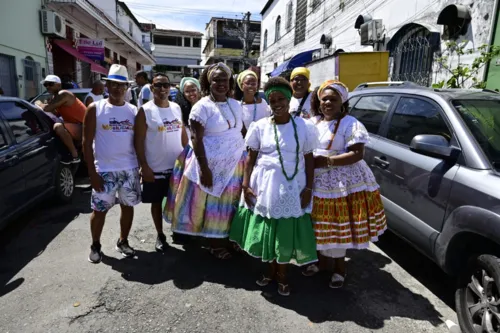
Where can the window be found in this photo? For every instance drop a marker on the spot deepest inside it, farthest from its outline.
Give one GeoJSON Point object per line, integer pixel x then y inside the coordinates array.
{"type": "Point", "coordinates": [187, 42]}
{"type": "Point", "coordinates": [300, 21]}
{"type": "Point", "coordinates": [370, 110]}
{"type": "Point", "coordinates": [236, 67]}
{"type": "Point", "coordinates": [32, 77]}
{"type": "Point", "coordinates": [168, 40]}
{"type": "Point", "coordinates": [315, 4]}
{"type": "Point", "coordinates": [289, 16]}
{"type": "Point", "coordinates": [196, 42]}
{"type": "Point", "coordinates": [173, 68]}
{"type": "Point", "coordinates": [277, 32]}
{"type": "Point", "coordinates": [415, 116]}
{"type": "Point", "coordinates": [23, 122]}
{"type": "Point", "coordinates": [265, 41]}
{"type": "Point", "coordinates": [130, 28]}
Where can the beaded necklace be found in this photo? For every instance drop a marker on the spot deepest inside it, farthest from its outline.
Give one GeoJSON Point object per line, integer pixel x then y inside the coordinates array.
{"type": "Point", "coordinates": [222, 113]}
{"type": "Point", "coordinates": [296, 150]}
{"type": "Point", "coordinates": [254, 107]}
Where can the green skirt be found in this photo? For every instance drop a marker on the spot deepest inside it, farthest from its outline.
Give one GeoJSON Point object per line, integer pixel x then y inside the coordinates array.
{"type": "Point", "coordinates": [286, 240]}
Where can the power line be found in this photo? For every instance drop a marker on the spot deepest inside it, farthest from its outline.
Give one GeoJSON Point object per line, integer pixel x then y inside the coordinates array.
{"type": "Point", "coordinates": [185, 11]}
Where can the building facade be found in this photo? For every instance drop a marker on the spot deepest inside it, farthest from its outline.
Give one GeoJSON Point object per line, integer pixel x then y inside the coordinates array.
{"type": "Point", "coordinates": [175, 50]}
{"type": "Point", "coordinates": [23, 58]}
{"type": "Point", "coordinates": [408, 29]}
{"type": "Point", "coordinates": [106, 29]}
{"type": "Point", "coordinates": [226, 41]}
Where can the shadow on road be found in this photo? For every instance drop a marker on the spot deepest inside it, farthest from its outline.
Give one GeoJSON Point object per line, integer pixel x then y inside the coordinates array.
{"type": "Point", "coordinates": [370, 296]}
{"type": "Point", "coordinates": [28, 236]}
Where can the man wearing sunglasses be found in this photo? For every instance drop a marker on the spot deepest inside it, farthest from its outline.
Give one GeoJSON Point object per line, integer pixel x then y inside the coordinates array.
{"type": "Point", "coordinates": [160, 137]}
{"type": "Point", "coordinates": [108, 147]}
{"type": "Point", "coordinates": [65, 105]}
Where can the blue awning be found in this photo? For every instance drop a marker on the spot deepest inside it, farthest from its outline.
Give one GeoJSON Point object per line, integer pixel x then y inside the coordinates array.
{"type": "Point", "coordinates": [296, 61]}
{"type": "Point", "coordinates": [168, 61]}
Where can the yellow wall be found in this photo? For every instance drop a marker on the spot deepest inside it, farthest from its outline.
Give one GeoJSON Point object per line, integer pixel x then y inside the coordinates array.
{"type": "Point", "coordinates": [355, 68]}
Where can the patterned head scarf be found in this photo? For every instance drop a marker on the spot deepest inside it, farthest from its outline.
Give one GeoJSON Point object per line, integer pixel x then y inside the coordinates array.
{"type": "Point", "coordinates": [338, 86]}
{"type": "Point", "coordinates": [300, 71]}
{"type": "Point", "coordinates": [222, 66]}
{"type": "Point", "coordinates": [243, 75]}
{"type": "Point", "coordinates": [186, 80]}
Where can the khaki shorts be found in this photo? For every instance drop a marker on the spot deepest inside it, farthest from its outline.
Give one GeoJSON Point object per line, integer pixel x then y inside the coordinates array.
{"type": "Point", "coordinates": [75, 130]}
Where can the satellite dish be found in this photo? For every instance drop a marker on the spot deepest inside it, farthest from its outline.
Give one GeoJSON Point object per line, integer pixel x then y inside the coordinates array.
{"type": "Point", "coordinates": [152, 47]}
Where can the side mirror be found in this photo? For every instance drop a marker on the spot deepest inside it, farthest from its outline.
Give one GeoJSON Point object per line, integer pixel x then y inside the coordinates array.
{"type": "Point", "coordinates": [434, 146]}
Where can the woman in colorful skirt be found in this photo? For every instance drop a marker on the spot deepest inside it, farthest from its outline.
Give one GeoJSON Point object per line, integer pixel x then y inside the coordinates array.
{"type": "Point", "coordinates": [206, 183]}
{"type": "Point", "coordinates": [273, 222]}
{"type": "Point", "coordinates": [347, 207]}
{"type": "Point", "coordinates": [254, 107]}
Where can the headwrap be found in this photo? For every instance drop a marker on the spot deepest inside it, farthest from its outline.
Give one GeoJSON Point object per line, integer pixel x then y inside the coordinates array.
{"type": "Point", "coordinates": [300, 71]}
{"type": "Point", "coordinates": [243, 75]}
{"type": "Point", "coordinates": [220, 65]}
{"type": "Point", "coordinates": [186, 80]}
{"type": "Point", "coordinates": [282, 89]}
{"type": "Point", "coordinates": [338, 86]}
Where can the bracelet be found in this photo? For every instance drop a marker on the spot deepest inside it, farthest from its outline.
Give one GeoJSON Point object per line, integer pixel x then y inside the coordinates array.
{"type": "Point", "coordinates": [330, 162]}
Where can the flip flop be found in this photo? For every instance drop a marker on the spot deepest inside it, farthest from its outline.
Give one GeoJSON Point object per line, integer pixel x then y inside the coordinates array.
{"type": "Point", "coordinates": [310, 270]}
{"type": "Point", "coordinates": [337, 281]}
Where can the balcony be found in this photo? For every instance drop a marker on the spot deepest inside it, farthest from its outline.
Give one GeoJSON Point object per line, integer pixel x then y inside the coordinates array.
{"type": "Point", "coordinates": [230, 54]}
{"type": "Point", "coordinates": [85, 14]}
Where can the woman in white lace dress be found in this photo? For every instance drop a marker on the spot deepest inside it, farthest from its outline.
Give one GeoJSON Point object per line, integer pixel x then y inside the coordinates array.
{"type": "Point", "coordinates": [206, 183]}
{"type": "Point", "coordinates": [273, 221]}
{"type": "Point", "coordinates": [347, 208]}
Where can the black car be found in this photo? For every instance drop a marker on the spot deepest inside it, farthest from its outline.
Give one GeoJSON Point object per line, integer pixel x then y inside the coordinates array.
{"type": "Point", "coordinates": [30, 155]}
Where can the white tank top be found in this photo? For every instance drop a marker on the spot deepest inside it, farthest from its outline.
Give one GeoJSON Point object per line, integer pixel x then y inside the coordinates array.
{"type": "Point", "coordinates": [114, 137]}
{"type": "Point", "coordinates": [164, 135]}
{"type": "Point", "coordinates": [95, 98]}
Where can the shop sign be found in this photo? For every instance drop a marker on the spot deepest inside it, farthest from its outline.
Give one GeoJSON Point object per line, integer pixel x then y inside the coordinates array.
{"type": "Point", "coordinates": [91, 48]}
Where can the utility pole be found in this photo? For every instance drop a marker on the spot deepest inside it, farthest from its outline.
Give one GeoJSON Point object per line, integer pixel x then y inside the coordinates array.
{"type": "Point", "coordinates": [247, 40]}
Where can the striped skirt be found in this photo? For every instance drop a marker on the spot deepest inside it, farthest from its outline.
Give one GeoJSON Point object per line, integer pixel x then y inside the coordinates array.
{"type": "Point", "coordinates": [351, 214]}
{"type": "Point", "coordinates": [191, 211]}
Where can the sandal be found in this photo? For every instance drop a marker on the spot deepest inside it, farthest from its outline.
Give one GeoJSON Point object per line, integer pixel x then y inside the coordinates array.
{"type": "Point", "coordinates": [264, 281]}
{"type": "Point", "coordinates": [283, 289]}
{"type": "Point", "coordinates": [311, 270]}
{"type": "Point", "coordinates": [220, 253]}
{"type": "Point", "coordinates": [337, 281]}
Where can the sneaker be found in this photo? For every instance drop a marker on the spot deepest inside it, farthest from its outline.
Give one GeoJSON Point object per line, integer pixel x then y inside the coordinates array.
{"type": "Point", "coordinates": [161, 243]}
{"type": "Point", "coordinates": [125, 249]}
{"type": "Point", "coordinates": [95, 255]}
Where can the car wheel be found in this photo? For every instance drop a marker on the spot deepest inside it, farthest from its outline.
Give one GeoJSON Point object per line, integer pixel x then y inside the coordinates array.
{"type": "Point", "coordinates": [65, 184]}
{"type": "Point", "coordinates": [478, 298]}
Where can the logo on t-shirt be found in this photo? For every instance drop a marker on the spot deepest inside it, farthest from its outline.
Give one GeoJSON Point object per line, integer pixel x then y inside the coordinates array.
{"type": "Point", "coordinates": [170, 126]}
{"type": "Point", "coordinates": [118, 126]}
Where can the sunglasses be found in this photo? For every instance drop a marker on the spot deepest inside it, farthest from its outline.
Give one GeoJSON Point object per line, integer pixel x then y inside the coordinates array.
{"type": "Point", "coordinates": [48, 84]}
{"type": "Point", "coordinates": [115, 85]}
{"type": "Point", "coordinates": [160, 85]}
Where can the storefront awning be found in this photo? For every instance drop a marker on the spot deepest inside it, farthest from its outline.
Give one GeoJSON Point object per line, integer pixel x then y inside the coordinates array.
{"type": "Point", "coordinates": [93, 66]}
{"type": "Point", "coordinates": [296, 61]}
{"type": "Point", "coordinates": [168, 61]}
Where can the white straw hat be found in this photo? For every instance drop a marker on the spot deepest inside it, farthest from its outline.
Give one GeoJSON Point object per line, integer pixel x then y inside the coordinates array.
{"type": "Point", "coordinates": [51, 78]}
{"type": "Point", "coordinates": [118, 73]}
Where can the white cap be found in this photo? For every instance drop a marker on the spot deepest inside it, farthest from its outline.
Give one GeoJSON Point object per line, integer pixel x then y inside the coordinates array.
{"type": "Point", "coordinates": [51, 78]}
{"type": "Point", "coordinates": [118, 73]}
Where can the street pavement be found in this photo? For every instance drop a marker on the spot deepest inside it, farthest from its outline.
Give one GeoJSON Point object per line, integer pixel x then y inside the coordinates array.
{"type": "Point", "coordinates": [47, 285]}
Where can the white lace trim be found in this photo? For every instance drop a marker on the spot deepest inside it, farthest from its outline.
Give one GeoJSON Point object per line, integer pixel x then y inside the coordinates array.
{"type": "Point", "coordinates": [198, 119]}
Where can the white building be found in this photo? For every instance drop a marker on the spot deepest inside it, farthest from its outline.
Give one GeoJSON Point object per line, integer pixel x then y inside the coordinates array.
{"type": "Point", "coordinates": [409, 29]}
{"type": "Point", "coordinates": [175, 50]}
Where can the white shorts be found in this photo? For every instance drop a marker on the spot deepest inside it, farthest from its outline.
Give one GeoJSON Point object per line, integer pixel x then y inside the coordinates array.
{"type": "Point", "coordinates": [127, 184]}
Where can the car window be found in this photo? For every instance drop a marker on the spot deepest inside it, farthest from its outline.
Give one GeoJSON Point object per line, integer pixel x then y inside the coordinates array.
{"type": "Point", "coordinates": [22, 121]}
{"type": "Point", "coordinates": [415, 116]}
{"type": "Point", "coordinates": [370, 110]}
{"type": "Point", "coordinates": [352, 102]}
{"type": "Point", "coordinates": [44, 98]}
{"type": "Point", "coordinates": [81, 96]}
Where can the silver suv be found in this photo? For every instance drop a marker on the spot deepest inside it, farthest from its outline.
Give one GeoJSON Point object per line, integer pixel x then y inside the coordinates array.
{"type": "Point", "coordinates": [436, 156]}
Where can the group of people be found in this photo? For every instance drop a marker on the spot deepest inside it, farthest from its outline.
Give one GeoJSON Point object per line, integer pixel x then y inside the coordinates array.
{"type": "Point", "coordinates": [284, 182]}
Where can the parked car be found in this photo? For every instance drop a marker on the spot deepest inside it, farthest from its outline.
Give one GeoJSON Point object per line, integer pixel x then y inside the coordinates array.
{"type": "Point", "coordinates": [80, 93]}
{"type": "Point", "coordinates": [30, 155]}
{"type": "Point", "coordinates": [436, 155]}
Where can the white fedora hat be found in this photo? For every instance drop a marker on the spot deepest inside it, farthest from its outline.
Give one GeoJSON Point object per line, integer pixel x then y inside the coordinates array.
{"type": "Point", "coordinates": [118, 73]}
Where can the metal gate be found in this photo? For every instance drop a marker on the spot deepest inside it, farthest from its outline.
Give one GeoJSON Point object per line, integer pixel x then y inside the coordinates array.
{"type": "Point", "coordinates": [32, 77]}
{"type": "Point", "coordinates": [8, 75]}
{"type": "Point", "coordinates": [413, 57]}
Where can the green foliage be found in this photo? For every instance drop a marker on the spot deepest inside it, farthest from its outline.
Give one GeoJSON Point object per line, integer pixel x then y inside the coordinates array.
{"type": "Point", "coordinates": [465, 75]}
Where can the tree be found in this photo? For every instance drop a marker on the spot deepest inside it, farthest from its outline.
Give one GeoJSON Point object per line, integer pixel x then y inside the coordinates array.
{"type": "Point", "coordinates": [465, 75]}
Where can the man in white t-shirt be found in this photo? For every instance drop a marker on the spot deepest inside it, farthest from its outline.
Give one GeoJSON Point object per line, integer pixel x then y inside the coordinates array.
{"type": "Point", "coordinates": [143, 87]}
{"type": "Point", "coordinates": [300, 104]}
{"type": "Point", "coordinates": [159, 139]}
{"type": "Point", "coordinates": [108, 147]}
{"type": "Point", "coordinates": [96, 94]}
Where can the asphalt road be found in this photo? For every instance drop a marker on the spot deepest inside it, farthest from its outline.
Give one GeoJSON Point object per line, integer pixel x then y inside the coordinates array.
{"type": "Point", "coordinates": [47, 285]}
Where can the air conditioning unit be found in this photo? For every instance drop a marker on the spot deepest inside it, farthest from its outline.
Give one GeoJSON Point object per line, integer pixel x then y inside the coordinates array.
{"type": "Point", "coordinates": [371, 32]}
{"type": "Point", "coordinates": [316, 55]}
{"type": "Point", "coordinates": [53, 24]}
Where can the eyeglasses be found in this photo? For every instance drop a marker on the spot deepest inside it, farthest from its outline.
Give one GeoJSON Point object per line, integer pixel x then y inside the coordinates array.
{"type": "Point", "coordinates": [48, 84]}
{"type": "Point", "coordinates": [119, 85]}
{"type": "Point", "coordinates": [159, 85]}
